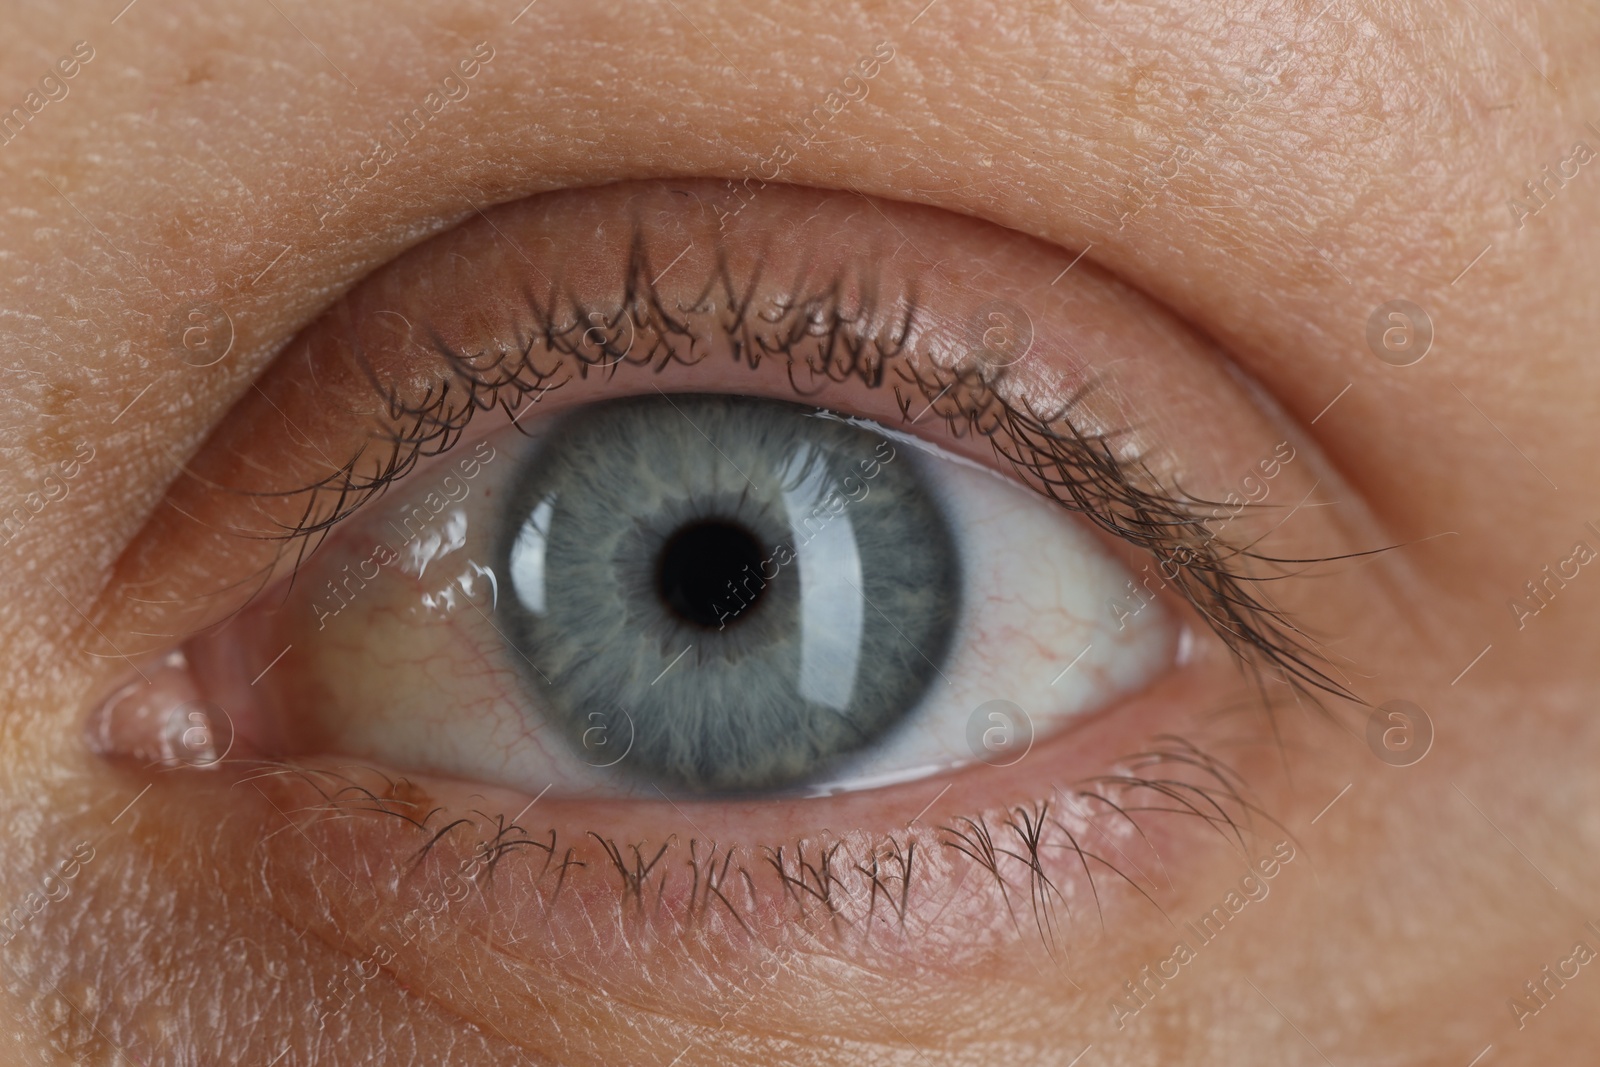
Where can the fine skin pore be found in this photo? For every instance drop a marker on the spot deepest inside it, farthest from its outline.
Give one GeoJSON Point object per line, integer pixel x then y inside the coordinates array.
{"type": "Point", "coordinates": [192, 159]}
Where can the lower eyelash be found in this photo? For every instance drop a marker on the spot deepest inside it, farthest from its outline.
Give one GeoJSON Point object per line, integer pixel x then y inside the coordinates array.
{"type": "Point", "coordinates": [819, 338]}
{"type": "Point", "coordinates": [841, 884]}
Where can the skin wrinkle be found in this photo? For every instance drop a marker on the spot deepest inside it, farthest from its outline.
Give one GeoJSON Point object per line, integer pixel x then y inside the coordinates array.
{"type": "Point", "coordinates": [1510, 346]}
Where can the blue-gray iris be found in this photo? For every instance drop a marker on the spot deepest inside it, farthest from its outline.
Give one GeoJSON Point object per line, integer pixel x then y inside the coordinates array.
{"type": "Point", "coordinates": [736, 592]}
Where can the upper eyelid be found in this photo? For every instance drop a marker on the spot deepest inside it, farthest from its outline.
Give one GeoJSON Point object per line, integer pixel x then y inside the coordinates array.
{"type": "Point", "coordinates": [1051, 452]}
{"type": "Point", "coordinates": [487, 381]}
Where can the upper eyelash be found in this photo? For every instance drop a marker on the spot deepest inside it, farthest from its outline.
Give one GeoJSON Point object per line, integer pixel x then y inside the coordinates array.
{"type": "Point", "coordinates": [819, 337]}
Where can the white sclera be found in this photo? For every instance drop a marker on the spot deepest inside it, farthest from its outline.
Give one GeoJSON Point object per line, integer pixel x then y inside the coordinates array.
{"type": "Point", "coordinates": [1041, 593]}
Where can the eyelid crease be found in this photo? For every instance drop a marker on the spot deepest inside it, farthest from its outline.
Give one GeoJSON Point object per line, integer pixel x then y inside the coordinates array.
{"type": "Point", "coordinates": [837, 332]}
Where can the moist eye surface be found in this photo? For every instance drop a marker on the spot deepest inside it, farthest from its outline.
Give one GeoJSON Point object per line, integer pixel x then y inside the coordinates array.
{"type": "Point", "coordinates": [734, 592]}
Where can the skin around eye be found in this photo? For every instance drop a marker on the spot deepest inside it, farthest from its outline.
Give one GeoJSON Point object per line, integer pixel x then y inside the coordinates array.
{"type": "Point", "coordinates": [1274, 173]}
{"type": "Point", "coordinates": [1087, 398]}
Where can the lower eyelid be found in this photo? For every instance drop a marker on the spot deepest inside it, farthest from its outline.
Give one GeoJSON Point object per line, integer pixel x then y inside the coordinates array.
{"type": "Point", "coordinates": [579, 914]}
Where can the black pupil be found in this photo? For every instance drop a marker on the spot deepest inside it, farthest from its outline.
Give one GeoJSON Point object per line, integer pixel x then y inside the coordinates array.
{"type": "Point", "coordinates": [705, 569]}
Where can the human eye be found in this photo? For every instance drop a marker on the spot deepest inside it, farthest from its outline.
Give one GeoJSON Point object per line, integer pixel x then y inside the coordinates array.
{"type": "Point", "coordinates": [640, 557]}
{"type": "Point", "coordinates": [695, 593]}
